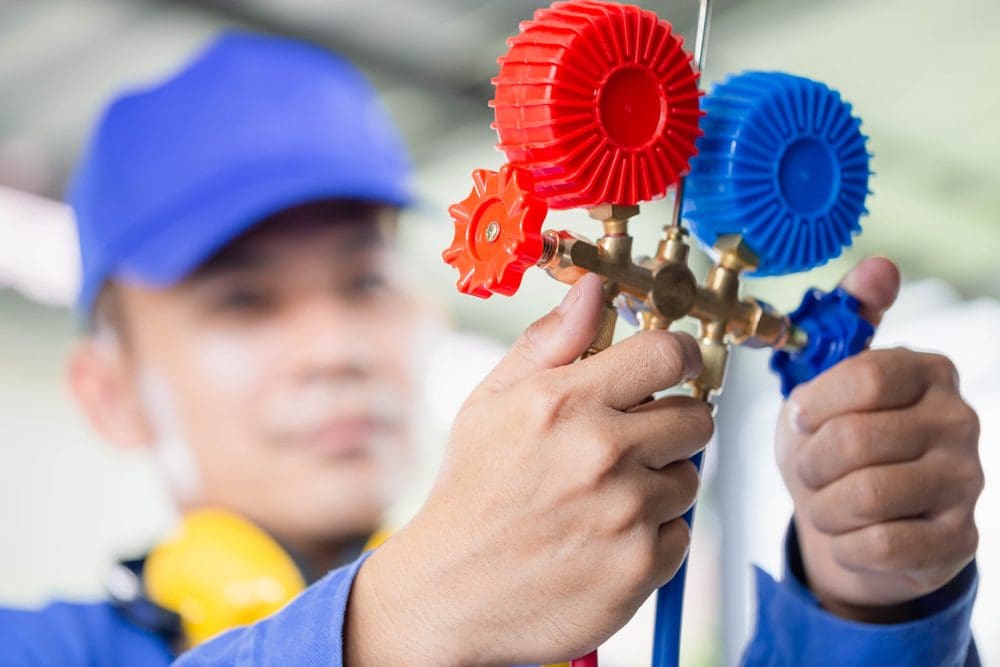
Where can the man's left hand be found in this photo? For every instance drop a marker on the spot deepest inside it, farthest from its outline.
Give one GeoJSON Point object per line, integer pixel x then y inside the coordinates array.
{"type": "Point", "coordinates": [880, 454]}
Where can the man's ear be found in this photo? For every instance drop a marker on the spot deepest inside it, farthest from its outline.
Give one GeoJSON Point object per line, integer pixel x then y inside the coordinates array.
{"type": "Point", "coordinates": [102, 381]}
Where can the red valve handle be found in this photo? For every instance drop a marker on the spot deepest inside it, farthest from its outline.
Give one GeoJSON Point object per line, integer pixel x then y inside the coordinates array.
{"type": "Point", "coordinates": [598, 101]}
{"type": "Point", "coordinates": [498, 233]}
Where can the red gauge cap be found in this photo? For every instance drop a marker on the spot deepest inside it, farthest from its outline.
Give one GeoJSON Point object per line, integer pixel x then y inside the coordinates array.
{"type": "Point", "coordinates": [598, 101]}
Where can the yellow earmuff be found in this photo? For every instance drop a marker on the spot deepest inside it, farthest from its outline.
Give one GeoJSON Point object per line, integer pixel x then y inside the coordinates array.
{"type": "Point", "coordinates": [219, 571]}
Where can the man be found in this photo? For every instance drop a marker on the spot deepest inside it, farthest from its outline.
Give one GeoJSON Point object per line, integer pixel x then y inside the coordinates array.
{"type": "Point", "coordinates": [236, 233]}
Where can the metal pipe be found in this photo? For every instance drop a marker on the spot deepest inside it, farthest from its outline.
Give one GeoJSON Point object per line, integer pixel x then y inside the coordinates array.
{"type": "Point", "coordinates": [701, 37]}
{"type": "Point", "coordinates": [700, 52]}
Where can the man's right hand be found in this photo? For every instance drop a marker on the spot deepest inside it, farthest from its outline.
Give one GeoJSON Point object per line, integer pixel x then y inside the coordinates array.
{"type": "Point", "coordinates": [556, 512]}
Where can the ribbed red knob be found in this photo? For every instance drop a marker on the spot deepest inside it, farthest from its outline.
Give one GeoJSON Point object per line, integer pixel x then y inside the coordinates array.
{"type": "Point", "coordinates": [598, 101]}
{"type": "Point", "coordinates": [498, 233]}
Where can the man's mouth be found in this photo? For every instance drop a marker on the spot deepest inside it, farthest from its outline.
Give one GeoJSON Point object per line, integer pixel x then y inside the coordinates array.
{"type": "Point", "coordinates": [335, 422]}
{"type": "Point", "coordinates": [342, 438]}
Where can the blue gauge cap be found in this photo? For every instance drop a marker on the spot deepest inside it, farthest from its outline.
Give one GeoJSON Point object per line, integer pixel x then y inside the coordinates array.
{"type": "Point", "coordinates": [782, 163]}
{"type": "Point", "coordinates": [251, 126]}
{"type": "Point", "coordinates": [835, 332]}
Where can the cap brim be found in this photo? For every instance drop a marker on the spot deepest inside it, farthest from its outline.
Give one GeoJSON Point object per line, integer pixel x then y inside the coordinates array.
{"type": "Point", "coordinates": [195, 229]}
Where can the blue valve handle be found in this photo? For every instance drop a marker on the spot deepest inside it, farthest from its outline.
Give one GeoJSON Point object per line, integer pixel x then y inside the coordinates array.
{"type": "Point", "coordinates": [835, 331]}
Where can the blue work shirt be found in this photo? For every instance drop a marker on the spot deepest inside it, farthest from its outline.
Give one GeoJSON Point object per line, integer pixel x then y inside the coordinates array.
{"type": "Point", "coordinates": [792, 629]}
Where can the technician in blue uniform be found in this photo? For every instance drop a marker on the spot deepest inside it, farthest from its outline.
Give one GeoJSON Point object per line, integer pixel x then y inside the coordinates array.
{"type": "Point", "coordinates": [246, 320]}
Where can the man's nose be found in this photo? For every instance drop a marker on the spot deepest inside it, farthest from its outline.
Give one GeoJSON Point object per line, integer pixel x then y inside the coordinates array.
{"type": "Point", "coordinates": [330, 338]}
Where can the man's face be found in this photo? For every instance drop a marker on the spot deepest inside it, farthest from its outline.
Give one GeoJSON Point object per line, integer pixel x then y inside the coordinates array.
{"type": "Point", "coordinates": [283, 365]}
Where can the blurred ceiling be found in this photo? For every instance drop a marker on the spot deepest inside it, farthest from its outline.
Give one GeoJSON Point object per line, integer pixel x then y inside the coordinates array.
{"type": "Point", "coordinates": [60, 61]}
{"type": "Point", "coordinates": [922, 74]}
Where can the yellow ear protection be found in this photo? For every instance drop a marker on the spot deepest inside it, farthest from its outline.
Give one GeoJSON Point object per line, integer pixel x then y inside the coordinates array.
{"type": "Point", "coordinates": [215, 572]}
{"type": "Point", "coordinates": [218, 571]}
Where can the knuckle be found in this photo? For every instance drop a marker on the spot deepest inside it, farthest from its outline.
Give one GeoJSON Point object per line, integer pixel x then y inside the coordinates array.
{"type": "Point", "coordinates": [548, 402]}
{"type": "Point", "coordinates": [873, 376]}
{"type": "Point", "coordinates": [960, 531]}
{"type": "Point", "coordinates": [806, 469]}
{"type": "Point", "coordinates": [676, 537]}
{"type": "Point", "coordinates": [868, 495]}
{"type": "Point", "coordinates": [690, 423]}
{"type": "Point", "coordinates": [703, 423]}
{"type": "Point", "coordinates": [683, 481]}
{"type": "Point", "coordinates": [952, 525]}
{"type": "Point", "coordinates": [807, 462]}
{"type": "Point", "coordinates": [631, 511]}
{"type": "Point", "coordinates": [815, 513]}
{"type": "Point", "coordinates": [971, 540]}
{"type": "Point", "coordinates": [640, 565]}
{"type": "Point", "coordinates": [978, 481]}
{"type": "Point", "coordinates": [853, 449]}
{"type": "Point", "coordinates": [967, 422]}
{"type": "Point", "coordinates": [688, 481]}
{"type": "Point", "coordinates": [971, 477]}
{"type": "Point", "coordinates": [851, 437]}
{"type": "Point", "coordinates": [942, 370]}
{"type": "Point", "coordinates": [881, 545]}
{"type": "Point", "coordinates": [598, 456]}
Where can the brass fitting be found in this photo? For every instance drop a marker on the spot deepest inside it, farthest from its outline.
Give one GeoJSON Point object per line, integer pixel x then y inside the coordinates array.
{"type": "Point", "coordinates": [673, 292]}
{"type": "Point", "coordinates": [557, 256]}
{"type": "Point", "coordinates": [667, 286]}
{"type": "Point", "coordinates": [756, 324]}
{"type": "Point", "coordinates": [717, 305]}
{"type": "Point", "coordinates": [609, 319]}
{"type": "Point", "coordinates": [614, 212]}
{"type": "Point", "coordinates": [714, 357]}
{"type": "Point", "coordinates": [672, 246]}
{"type": "Point", "coordinates": [572, 255]}
{"type": "Point", "coordinates": [612, 256]}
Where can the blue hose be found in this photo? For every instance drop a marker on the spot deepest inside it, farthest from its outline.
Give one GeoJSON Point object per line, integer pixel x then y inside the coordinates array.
{"type": "Point", "coordinates": [670, 607]}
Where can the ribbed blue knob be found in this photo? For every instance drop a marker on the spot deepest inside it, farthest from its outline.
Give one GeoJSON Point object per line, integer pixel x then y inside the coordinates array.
{"type": "Point", "coordinates": [835, 329]}
{"type": "Point", "coordinates": [782, 163]}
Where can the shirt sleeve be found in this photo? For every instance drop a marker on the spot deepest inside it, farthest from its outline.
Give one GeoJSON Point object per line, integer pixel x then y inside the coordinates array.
{"type": "Point", "coordinates": [792, 628]}
{"type": "Point", "coordinates": [308, 631]}
{"type": "Point", "coordinates": [67, 633]}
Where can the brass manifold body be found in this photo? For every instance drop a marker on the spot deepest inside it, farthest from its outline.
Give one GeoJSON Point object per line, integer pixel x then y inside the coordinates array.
{"type": "Point", "coordinates": [664, 289]}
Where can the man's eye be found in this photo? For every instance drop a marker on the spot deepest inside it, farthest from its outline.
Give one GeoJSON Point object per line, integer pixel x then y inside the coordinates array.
{"type": "Point", "coordinates": [244, 301]}
{"type": "Point", "coordinates": [368, 283]}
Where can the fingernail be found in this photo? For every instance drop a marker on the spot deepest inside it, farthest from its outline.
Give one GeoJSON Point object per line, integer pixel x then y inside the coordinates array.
{"type": "Point", "coordinates": [795, 418]}
{"type": "Point", "coordinates": [693, 363]}
{"type": "Point", "coordinates": [571, 298]}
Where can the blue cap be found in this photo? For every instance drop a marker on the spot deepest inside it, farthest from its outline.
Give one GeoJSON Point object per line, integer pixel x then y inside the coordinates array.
{"type": "Point", "coordinates": [784, 164]}
{"type": "Point", "coordinates": [252, 126]}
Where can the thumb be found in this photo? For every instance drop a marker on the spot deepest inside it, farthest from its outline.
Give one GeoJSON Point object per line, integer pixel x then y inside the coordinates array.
{"type": "Point", "coordinates": [875, 283]}
{"type": "Point", "coordinates": [555, 340]}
